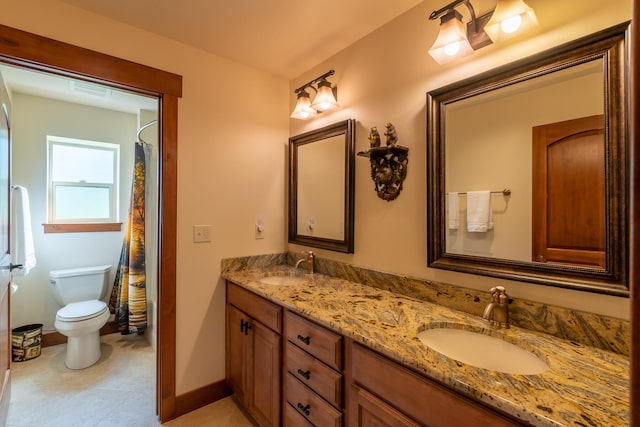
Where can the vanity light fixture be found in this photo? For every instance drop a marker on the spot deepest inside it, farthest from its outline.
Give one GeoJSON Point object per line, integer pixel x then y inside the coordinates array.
{"type": "Point", "coordinates": [509, 17]}
{"type": "Point", "coordinates": [324, 100]}
{"type": "Point", "coordinates": [457, 39]}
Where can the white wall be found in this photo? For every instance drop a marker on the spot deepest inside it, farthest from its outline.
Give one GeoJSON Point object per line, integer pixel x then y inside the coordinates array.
{"type": "Point", "coordinates": [231, 165]}
{"type": "Point", "coordinates": [33, 119]}
{"type": "Point", "coordinates": [384, 77]}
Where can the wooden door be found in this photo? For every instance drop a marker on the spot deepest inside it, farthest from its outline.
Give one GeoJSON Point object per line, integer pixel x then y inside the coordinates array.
{"type": "Point", "coordinates": [568, 192]}
{"type": "Point", "coordinates": [236, 353]}
{"type": "Point", "coordinates": [5, 256]}
{"type": "Point", "coordinates": [264, 369]}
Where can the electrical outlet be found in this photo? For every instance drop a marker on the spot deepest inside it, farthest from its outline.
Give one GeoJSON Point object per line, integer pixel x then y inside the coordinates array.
{"type": "Point", "coordinates": [201, 233]}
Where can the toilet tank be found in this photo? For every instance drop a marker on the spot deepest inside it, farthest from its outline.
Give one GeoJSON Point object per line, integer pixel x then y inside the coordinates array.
{"type": "Point", "coordinates": [80, 284]}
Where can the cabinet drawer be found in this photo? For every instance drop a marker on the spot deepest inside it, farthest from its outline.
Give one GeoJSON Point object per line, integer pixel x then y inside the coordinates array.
{"type": "Point", "coordinates": [418, 397]}
{"type": "Point", "coordinates": [315, 374]}
{"type": "Point", "coordinates": [265, 312]}
{"type": "Point", "coordinates": [310, 405]}
{"type": "Point", "coordinates": [294, 419]}
{"type": "Point", "coordinates": [314, 339]}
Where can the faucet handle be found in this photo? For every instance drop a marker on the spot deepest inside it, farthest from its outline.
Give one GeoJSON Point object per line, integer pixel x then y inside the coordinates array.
{"type": "Point", "coordinates": [498, 294]}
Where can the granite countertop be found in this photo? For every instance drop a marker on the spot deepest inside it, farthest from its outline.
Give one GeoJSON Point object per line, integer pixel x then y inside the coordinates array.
{"type": "Point", "coordinates": [584, 386]}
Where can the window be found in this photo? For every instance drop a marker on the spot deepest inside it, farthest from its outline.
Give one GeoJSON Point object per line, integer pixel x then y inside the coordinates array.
{"type": "Point", "coordinates": [82, 181]}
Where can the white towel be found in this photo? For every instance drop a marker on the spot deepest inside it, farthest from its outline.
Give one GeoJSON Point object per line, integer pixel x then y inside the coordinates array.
{"type": "Point", "coordinates": [22, 249]}
{"type": "Point", "coordinates": [454, 211]}
{"type": "Point", "coordinates": [479, 216]}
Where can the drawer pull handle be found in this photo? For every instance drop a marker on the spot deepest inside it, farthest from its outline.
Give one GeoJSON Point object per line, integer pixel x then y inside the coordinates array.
{"type": "Point", "coordinates": [306, 340]}
{"type": "Point", "coordinates": [305, 409]}
{"type": "Point", "coordinates": [306, 374]}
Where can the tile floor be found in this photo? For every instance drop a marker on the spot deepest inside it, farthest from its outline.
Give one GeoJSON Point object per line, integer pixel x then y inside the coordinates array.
{"type": "Point", "coordinates": [118, 391]}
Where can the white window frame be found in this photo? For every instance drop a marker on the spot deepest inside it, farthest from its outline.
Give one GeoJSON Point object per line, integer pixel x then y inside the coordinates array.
{"type": "Point", "coordinates": [114, 189]}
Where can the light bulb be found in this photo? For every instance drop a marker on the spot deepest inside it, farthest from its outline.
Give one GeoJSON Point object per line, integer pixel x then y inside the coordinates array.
{"type": "Point", "coordinates": [452, 49]}
{"type": "Point", "coordinates": [511, 25]}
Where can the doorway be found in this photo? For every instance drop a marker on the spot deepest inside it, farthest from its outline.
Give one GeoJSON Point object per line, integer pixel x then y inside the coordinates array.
{"type": "Point", "coordinates": [33, 52]}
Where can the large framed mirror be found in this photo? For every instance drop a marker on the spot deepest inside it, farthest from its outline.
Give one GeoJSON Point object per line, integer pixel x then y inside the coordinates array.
{"type": "Point", "coordinates": [321, 187]}
{"type": "Point", "coordinates": [528, 169]}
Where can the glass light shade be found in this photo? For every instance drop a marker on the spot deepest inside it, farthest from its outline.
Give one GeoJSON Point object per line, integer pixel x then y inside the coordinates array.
{"type": "Point", "coordinates": [324, 99]}
{"type": "Point", "coordinates": [509, 17]}
{"type": "Point", "coordinates": [452, 40]}
{"type": "Point", "coordinates": [303, 110]}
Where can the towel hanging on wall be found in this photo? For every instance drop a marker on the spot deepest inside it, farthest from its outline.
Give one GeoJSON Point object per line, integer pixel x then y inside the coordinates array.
{"type": "Point", "coordinates": [22, 247]}
{"type": "Point", "coordinates": [454, 211]}
{"type": "Point", "coordinates": [479, 216]}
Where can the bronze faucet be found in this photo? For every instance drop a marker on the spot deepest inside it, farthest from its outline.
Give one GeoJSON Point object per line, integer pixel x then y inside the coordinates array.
{"type": "Point", "coordinates": [309, 260]}
{"type": "Point", "coordinates": [497, 311]}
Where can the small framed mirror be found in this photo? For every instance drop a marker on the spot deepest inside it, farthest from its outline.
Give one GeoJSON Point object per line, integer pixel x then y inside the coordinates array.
{"type": "Point", "coordinates": [321, 187]}
{"type": "Point", "coordinates": [528, 169]}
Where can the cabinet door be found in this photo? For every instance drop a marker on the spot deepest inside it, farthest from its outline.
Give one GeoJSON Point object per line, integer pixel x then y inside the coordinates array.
{"type": "Point", "coordinates": [373, 412]}
{"type": "Point", "coordinates": [264, 373]}
{"type": "Point", "coordinates": [236, 353]}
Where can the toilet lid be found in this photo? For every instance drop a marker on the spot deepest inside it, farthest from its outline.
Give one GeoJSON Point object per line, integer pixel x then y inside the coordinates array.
{"type": "Point", "coordinates": [77, 311]}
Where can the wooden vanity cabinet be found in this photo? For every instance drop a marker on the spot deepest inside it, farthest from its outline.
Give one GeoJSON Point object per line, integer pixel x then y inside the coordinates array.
{"type": "Point", "coordinates": [254, 353]}
{"type": "Point", "coordinates": [313, 374]}
{"type": "Point", "coordinates": [324, 379]}
{"type": "Point", "coordinates": [384, 393]}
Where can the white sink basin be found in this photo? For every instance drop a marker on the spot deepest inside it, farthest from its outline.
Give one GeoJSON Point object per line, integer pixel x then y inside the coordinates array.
{"type": "Point", "coordinates": [482, 351]}
{"type": "Point", "coordinates": [284, 280]}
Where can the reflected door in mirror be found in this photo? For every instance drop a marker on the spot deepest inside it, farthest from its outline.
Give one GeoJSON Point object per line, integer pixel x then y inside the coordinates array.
{"type": "Point", "coordinates": [568, 192]}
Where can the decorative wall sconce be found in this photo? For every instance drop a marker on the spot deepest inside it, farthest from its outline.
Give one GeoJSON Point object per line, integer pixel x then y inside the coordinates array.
{"type": "Point", "coordinates": [457, 39]}
{"type": "Point", "coordinates": [388, 164]}
{"type": "Point", "coordinates": [324, 100]}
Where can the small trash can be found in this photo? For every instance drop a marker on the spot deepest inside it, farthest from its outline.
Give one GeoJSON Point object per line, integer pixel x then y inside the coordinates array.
{"type": "Point", "coordinates": [26, 342]}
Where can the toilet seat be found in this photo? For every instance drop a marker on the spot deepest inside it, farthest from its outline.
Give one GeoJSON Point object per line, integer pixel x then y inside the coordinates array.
{"type": "Point", "coordinates": [78, 311]}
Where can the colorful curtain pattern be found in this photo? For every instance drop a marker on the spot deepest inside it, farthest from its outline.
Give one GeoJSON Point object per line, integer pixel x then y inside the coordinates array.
{"type": "Point", "coordinates": [128, 298]}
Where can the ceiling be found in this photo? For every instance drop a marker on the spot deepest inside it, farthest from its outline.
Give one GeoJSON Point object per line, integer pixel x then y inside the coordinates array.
{"type": "Point", "coordinates": [283, 37]}
{"type": "Point", "coordinates": [45, 85]}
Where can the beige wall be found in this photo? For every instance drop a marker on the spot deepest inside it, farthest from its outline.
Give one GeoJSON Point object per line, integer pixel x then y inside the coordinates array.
{"type": "Point", "coordinates": [385, 77]}
{"type": "Point", "coordinates": [321, 188]}
{"type": "Point", "coordinates": [232, 136]}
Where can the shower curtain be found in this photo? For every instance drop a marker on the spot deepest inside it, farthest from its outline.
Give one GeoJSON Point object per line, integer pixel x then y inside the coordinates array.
{"type": "Point", "coordinates": [128, 298]}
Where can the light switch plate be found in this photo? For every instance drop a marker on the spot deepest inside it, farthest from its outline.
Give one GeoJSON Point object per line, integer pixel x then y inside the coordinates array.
{"type": "Point", "coordinates": [259, 228]}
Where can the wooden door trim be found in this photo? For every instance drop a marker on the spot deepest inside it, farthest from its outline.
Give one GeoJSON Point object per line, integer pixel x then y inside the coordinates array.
{"type": "Point", "coordinates": [634, 267]}
{"type": "Point", "coordinates": [35, 52]}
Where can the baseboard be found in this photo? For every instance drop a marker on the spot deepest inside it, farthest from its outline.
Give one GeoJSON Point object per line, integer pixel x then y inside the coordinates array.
{"type": "Point", "coordinates": [200, 397]}
{"type": "Point", "coordinates": [55, 338]}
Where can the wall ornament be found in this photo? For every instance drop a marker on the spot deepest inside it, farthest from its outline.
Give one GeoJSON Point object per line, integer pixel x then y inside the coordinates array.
{"type": "Point", "coordinates": [388, 163]}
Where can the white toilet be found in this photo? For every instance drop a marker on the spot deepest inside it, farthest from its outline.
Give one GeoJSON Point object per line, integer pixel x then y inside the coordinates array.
{"type": "Point", "coordinates": [79, 291]}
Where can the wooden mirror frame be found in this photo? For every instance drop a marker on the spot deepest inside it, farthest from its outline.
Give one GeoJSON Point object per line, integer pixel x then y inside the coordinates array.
{"type": "Point", "coordinates": [607, 45]}
{"type": "Point", "coordinates": [346, 128]}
